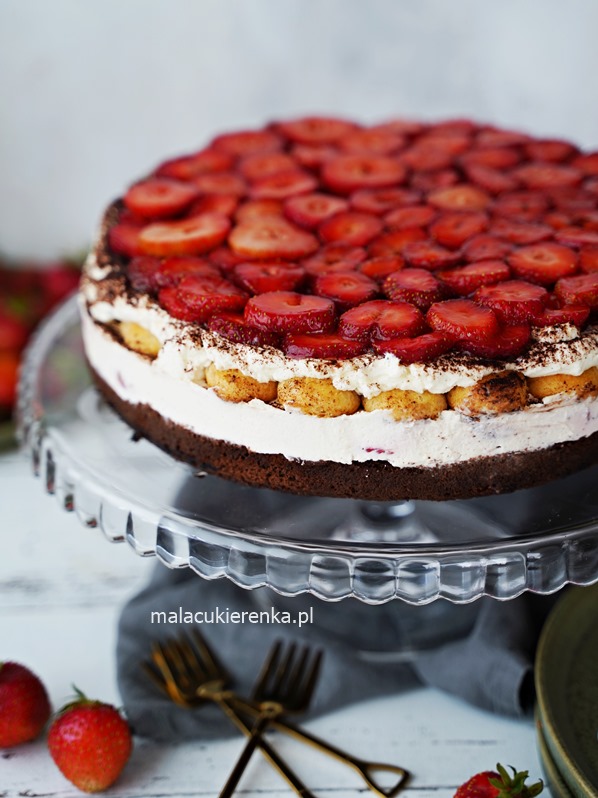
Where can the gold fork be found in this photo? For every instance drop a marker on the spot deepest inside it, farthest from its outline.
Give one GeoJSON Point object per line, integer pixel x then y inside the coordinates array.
{"type": "Point", "coordinates": [205, 678]}
{"type": "Point", "coordinates": [190, 681]}
{"type": "Point", "coordinates": [286, 684]}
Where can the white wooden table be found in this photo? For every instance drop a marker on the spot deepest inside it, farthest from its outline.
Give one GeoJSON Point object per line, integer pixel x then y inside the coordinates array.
{"type": "Point", "coordinates": [61, 589]}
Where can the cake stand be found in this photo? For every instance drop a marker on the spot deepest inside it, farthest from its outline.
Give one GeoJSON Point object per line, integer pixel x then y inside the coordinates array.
{"type": "Point", "coordinates": [532, 540]}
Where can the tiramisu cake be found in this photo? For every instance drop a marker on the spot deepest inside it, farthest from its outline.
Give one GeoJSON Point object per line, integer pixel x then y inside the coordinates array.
{"type": "Point", "coordinates": [401, 310]}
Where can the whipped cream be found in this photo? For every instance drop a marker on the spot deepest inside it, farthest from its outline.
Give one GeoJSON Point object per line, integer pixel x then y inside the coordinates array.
{"type": "Point", "coordinates": [166, 385]}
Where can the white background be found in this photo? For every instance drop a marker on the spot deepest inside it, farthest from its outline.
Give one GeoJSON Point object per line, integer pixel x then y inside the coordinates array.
{"type": "Point", "coordinates": [93, 93]}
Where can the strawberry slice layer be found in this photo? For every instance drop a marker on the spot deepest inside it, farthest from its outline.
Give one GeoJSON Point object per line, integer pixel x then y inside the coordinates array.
{"type": "Point", "coordinates": [287, 311]}
{"type": "Point", "coordinates": [507, 342]}
{"type": "Point", "coordinates": [310, 210]}
{"type": "Point", "coordinates": [203, 296]}
{"type": "Point", "coordinates": [581, 289]}
{"type": "Point", "coordinates": [350, 227]}
{"type": "Point", "coordinates": [172, 270]}
{"type": "Point", "coordinates": [543, 263]}
{"type": "Point", "coordinates": [273, 238]}
{"type": "Point", "coordinates": [462, 319]}
{"type": "Point", "coordinates": [514, 301]}
{"type": "Point", "coordinates": [261, 277]}
{"type": "Point", "coordinates": [417, 286]}
{"type": "Point", "coordinates": [234, 327]}
{"type": "Point", "coordinates": [321, 345]}
{"type": "Point", "coordinates": [159, 197]}
{"type": "Point", "coordinates": [466, 279]}
{"type": "Point", "coordinates": [381, 319]}
{"type": "Point", "coordinates": [348, 173]}
{"type": "Point", "coordinates": [568, 314]}
{"type": "Point", "coordinates": [422, 349]}
{"type": "Point", "coordinates": [346, 289]}
{"type": "Point", "coordinates": [192, 236]}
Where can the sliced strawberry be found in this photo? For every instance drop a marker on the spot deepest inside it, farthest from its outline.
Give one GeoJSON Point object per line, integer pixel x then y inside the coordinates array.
{"type": "Point", "coordinates": [283, 185]}
{"type": "Point", "coordinates": [266, 164]}
{"type": "Point", "coordinates": [581, 289]}
{"type": "Point", "coordinates": [460, 198]}
{"type": "Point", "coordinates": [429, 255]}
{"type": "Point", "coordinates": [523, 206]}
{"type": "Point", "coordinates": [462, 319]}
{"type": "Point", "coordinates": [335, 258]}
{"type": "Point", "coordinates": [350, 227]}
{"type": "Point", "coordinates": [309, 210]}
{"type": "Point", "coordinates": [588, 259]}
{"type": "Point", "coordinates": [432, 181]}
{"type": "Point", "coordinates": [422, 349]}
{"type": "Point", "coordinates": [368, 140]}
{"type": "Point", "coordinates": [588, 163]}
{"type": "Point", "coordinates": [347, 173]}
{"type": "Point", "coordinates": [422, 158]}
{"type": "Point", "coordinates": [185, 237]}
{"type": "Point", "coordinates": [171, 271]}
{"type": "Point", "coordinates": [346, 289]}
{"type": "Point", "coordinates": [234, 327]}
{"type": "Point", "coordinates": [400, 127]}
{"type": "Point", "coordinates": [514, 301]}
{"type": "Point", "coordinates": [142, 271]}
{"type": "Point", "coordinates": [171, 301]}
{"type": "Point", "coordinates": [221, 183]}
{"type": "Point", "coordinates": [591, 185]}
{"type": "Point", "coordinates": [259, 278]}
{"type": "Point", "coordinates": [453, 229]}
{"type": "Point", "coordinates": [577, 236]}
{"type": "Point", "coordinates": [271, 238]}
{"type": "Point", "coordinates": [410, 216]}
{"type": "Point", "coordinates": [316, 129]}
{"type": "Point", "coordinates": [207, 295]}
{"type": "Point", "coordinates": [509, 341]}
{"type": "Point", "coordinates": [381, 319]}
{"type": "Point", "coordinates": [382, 200]}
{"type": "Point", "coordinates": [498, 158]}
{"type": "Point", "coordinates": [247, 142]}
{"type": "Point", "coordinates": [557, 219]}
{"type": "Point", "coordinates": [568, 314]}
{"type": "Point", "coordinates": [452, 143]}
{"type": "Point", "coordinates": [465, 280]}
{"type": "Point", "coordinates": [313, 156]}
{"type": "Point", "coordinates": [417, 286]}
{"type": "Point", "coordinates": [491, 180]}
{"type": "Point", "coordinates": [543, 263]}
{"type": "Point", "coordinates": [485, 247]}
{"type": "Point", "coordinates": [186, 167]}
{"type": "Point", "coordinates": [225, 259]}
{"type": "Point", "coordinates": [547, 175]}
{"type": "Point", "coordinates": [123, 238]}
{"type": "Point", "coordinates": [491, 137]}
{"type": "Point", "coordinates": [394, 243]}
{"type": "Point", "coordinates": [549, 150]}
{"type": "Point", "coordinates": [321, 345]}
{"type": "Point", "coordinates": [286, 311]}
{"type": "Point", "coordinates": [572, 199]}
{"type": "Point", "coordinates": [159, 197]}
{"type": "Point", "coordinates": [379, 268]}
{"type": "Point", "coordinates": [250, 210]}
{"type": "Point", "coordinates": [213, 203]}
{"type": "Point", "coordinates": [520, 232]}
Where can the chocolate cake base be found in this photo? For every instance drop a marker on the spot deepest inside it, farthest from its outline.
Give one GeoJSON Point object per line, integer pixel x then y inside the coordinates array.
{"type": "Point", "coordinates": [373, 480]}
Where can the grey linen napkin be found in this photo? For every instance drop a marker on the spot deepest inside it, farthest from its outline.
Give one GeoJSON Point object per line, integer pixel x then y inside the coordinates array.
{"type": "Point", "coordinates": [370, 651]}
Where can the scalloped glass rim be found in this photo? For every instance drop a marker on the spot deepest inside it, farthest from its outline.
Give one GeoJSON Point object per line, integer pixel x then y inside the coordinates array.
{"type": "Point", "coordinates": [537, 540]}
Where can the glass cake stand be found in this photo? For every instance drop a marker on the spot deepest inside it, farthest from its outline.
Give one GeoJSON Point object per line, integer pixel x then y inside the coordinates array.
{"type": "Point", "coordinates": [532, 540]}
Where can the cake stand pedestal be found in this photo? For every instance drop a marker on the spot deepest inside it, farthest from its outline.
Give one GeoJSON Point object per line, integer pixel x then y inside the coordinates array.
{"type": "Point", "coordinates": [533, 540]}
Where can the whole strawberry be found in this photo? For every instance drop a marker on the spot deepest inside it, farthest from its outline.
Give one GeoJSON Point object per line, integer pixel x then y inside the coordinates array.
{"type": "Point", "coordinates": [24, 705]}
{"type": "Point", "coordinates": [90, 742]}
{"type": "Point", "coordinates": [491, 784]}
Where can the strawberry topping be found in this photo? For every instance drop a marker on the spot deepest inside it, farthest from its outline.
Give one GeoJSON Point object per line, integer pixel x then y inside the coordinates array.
{"type": "Point", "coordinates": [287, 311]}
{"type": "Point", "coordinates": [317, 218]}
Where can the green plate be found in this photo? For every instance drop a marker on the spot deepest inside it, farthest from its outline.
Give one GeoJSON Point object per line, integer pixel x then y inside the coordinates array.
{"type": "Point", "coordinates": [566, 677]}
{"type": "Point", "coordinates": [554, 781]}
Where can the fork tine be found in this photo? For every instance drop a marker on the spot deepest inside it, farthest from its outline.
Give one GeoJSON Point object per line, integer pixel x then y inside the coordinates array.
{"type": "Point", "coordinates": [296, 674]}
{"type": "Point", "coordinates": [312, 678]}
{"type": "Point", "coordinates": [282, 674]}
{"type": "Point", "coordinates": [270, 663]}
{"type": "Point", "coordinates": [210, 661]}
{"type": "Point", "coordinates": [192, 662]}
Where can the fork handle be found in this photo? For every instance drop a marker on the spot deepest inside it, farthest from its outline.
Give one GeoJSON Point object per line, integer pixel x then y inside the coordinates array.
{"type": "Point", "coordinates": [366, 770]}
{"type": "Point", "coordinates": [243, 760]}
{"type": "Point", "coordinates": [267, 750]}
